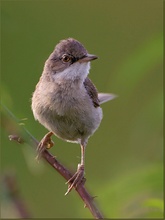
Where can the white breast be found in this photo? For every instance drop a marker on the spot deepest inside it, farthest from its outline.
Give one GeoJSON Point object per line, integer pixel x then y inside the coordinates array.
{"type": "Point", "coordinates": [76, 70]}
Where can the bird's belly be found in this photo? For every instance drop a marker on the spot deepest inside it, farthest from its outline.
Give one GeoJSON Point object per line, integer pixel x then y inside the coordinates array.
{"type": "Point", "coordinates": [69, 116]}
{"type": "Point", "coordinates": [74, 125]}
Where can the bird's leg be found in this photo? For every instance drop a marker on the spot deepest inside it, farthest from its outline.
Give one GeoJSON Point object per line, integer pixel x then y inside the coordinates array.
{"type": "Point", "coordinates": [45, 143]}
{"type": "Point", "coordinates": [78, 177]}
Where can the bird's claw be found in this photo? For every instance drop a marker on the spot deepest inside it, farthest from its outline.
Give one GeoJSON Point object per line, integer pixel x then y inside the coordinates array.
{"type": "Point", "coordinates": [45, 143]}
{"type": "Point", "coordinates": [76, 179]}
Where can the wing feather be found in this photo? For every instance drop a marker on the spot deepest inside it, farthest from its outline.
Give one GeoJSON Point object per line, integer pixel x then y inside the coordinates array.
{"type": "Point", "coordinates": [92, 92]}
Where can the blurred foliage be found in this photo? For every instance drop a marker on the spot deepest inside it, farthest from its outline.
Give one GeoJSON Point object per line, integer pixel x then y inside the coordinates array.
{"type": "Point", "coordinates": [124, 157]}
{"type": "Point", "coordinates": [141, 197]}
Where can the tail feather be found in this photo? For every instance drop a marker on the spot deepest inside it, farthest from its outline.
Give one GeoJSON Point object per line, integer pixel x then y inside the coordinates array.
{"type": "Point", "coordinates": [105, 97]}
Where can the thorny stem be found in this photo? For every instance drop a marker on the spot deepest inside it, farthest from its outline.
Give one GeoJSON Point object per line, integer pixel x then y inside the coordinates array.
{"type": "Point", "coordinates": [63, 171]}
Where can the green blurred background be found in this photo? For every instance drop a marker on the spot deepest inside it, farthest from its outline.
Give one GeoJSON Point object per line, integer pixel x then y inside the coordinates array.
{"type": "Point", "coordinates": [124, 159]}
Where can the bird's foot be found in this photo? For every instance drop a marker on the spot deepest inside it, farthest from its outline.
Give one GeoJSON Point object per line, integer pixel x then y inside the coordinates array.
{"type": "Point", "coordinates": [76, 179]}
{"type": "Point", "coordinates": [45, 143]}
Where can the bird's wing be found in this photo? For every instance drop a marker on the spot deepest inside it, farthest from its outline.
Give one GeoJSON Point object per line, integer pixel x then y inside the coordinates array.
{"type": "Point", "coordinates": [92, 92]}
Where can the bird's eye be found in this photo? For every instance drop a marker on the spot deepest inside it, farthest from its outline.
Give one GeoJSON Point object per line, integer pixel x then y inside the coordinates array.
{"type": "Point", "coordinates": [66, 58]}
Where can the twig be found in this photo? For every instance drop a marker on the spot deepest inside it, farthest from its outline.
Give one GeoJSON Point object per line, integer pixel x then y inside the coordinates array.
{"type": "Point", "coordinates": [83, 193]}
{"type": "Point", "coordinates": [63, 171]}
{"type": "Point", "coordinates": [26, 136]}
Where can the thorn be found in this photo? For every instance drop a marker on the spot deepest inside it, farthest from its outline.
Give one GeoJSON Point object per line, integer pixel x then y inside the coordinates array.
{"type": "Point", "coordinates": [23, 119]}
{"type": "Point", "coordinates": [83, 181]}
{"type": "Point", "coordinates": [21, 124]}
{"type": "Point", "coordinates": [93, 197]}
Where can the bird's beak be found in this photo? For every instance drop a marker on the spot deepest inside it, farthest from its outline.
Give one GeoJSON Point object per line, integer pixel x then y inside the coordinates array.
{"type": "Point", "coordinates": [87, 58]}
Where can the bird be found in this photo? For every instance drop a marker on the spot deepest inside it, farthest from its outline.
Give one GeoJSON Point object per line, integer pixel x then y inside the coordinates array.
{"type": "Point", "coordinates": [66, 102]}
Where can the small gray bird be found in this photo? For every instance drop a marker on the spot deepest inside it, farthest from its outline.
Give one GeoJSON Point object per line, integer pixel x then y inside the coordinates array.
{"type": "Point", "coordinates": [65, 100]}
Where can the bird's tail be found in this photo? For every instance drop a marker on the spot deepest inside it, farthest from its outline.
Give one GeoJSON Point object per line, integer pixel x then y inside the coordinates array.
{"type": "Point", "coordinates": [105, 97]}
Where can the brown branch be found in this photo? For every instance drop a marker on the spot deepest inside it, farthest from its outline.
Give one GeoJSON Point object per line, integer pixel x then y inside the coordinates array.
{"type": "Point", "coordinates": [63, 171]}
{"type": "Point", "coordinates": [12, 190]}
